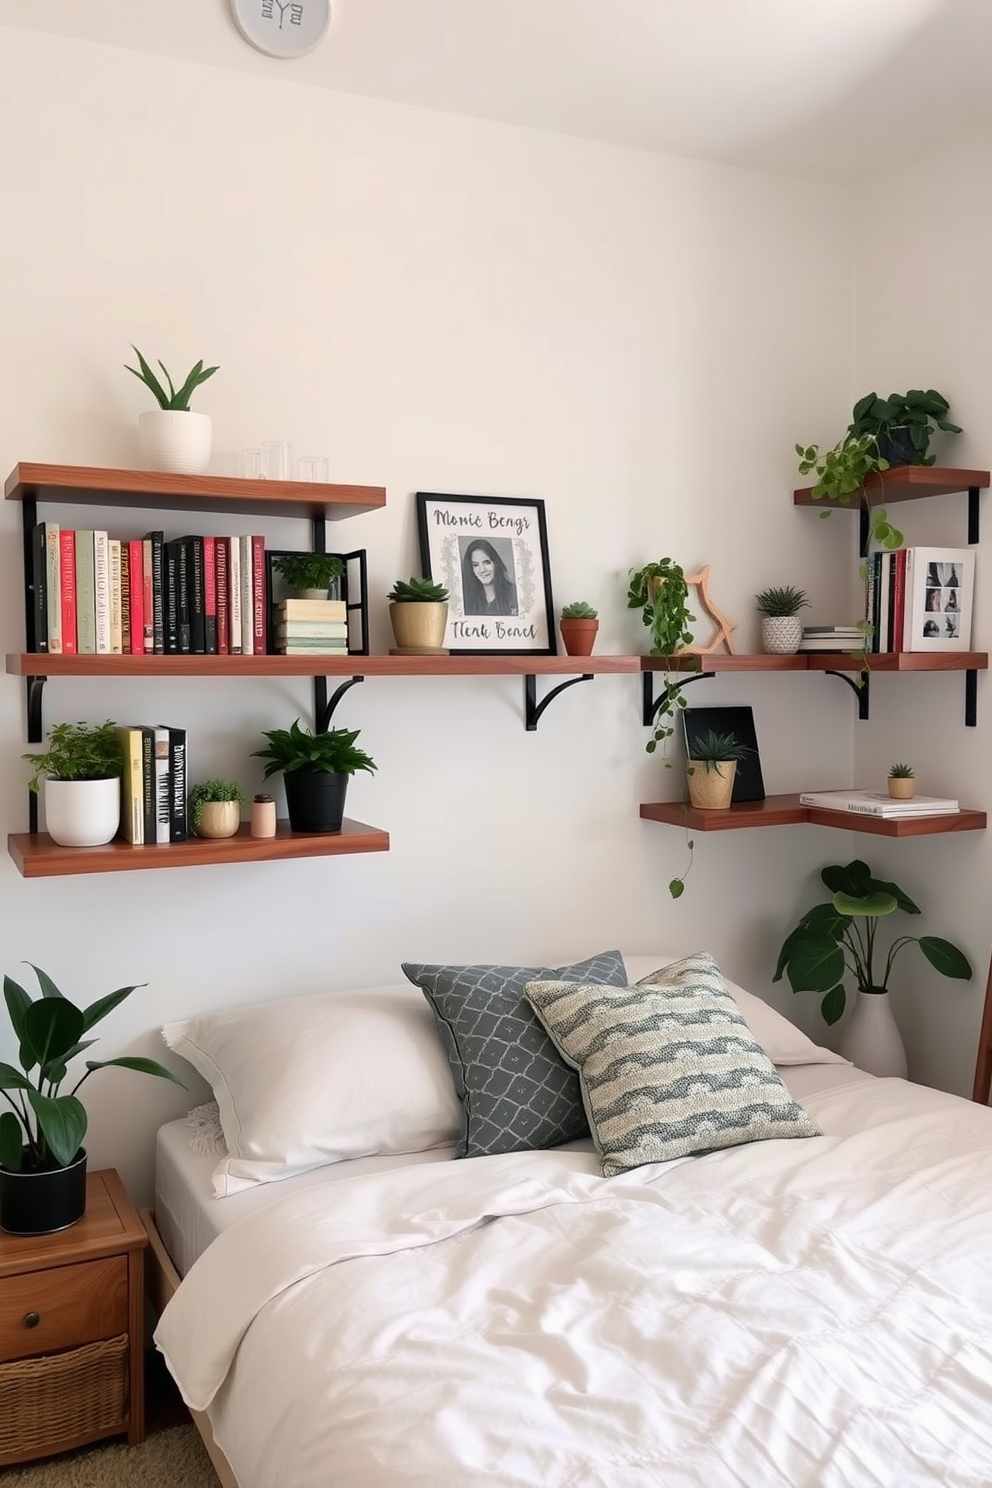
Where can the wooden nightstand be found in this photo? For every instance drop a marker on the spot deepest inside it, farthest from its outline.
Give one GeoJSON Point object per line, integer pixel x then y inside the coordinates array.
{"type": "Point", "coordinates": [72, 1329]}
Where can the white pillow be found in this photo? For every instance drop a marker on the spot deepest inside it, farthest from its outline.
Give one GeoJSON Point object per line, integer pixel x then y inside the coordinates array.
{"type": "Point", "coordinates": [312, 1080]}
{"type": "Point", "coordinates": [781, 1040]}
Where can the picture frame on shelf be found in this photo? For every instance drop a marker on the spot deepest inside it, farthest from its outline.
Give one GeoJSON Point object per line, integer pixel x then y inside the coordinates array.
{"type": "Point", "coordinates": [749, 784]}
{"type": "Point", "coordinates": [939, 592]}
{"type": "Point", "coordinates": [491, 554]}
{"type": "Point", "coordinates": [354, 590]}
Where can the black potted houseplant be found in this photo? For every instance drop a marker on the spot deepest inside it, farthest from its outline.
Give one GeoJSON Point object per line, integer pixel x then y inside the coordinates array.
{"type": "Point", "coordinates": [418, 612]}
{"type": "Point", "coordinates": [82, 770]}
{"type": "Point", "coordinates": [903, 424]}
{"type": "Point", "coordinates": [661, 593]}
{"type": "Point", "coordinates": [172, 437]}
{"type": "Point", "coordinates": [42, 1159]}
{"type": "Point", "coordinates": [309, 575]}
{"type": "Point", "coordinates": [316, 769]}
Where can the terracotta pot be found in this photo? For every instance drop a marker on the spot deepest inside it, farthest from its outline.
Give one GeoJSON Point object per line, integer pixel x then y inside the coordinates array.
{"type": "Point", "coordinates": [901, 787]}
{"type": "Point", "coordinates": [578, 636]}
{"type": "Point", "coordinates": [711, 789]}
{"type": "Point", "coordinates": [219, 819]}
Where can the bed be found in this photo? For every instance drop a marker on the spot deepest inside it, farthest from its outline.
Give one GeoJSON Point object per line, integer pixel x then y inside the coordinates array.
{"type": "Point", "coordinates": [807, 1304]}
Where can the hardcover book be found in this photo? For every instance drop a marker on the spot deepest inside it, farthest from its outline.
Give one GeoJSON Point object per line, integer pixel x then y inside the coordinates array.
{"type": "Point", "coordinates": [85, 593]}
{"type": "Point", "coordinates": [876, 803]}
{"type": "Point", "coordinates": [39, 587]}
{"type": "Point", "coordinates": [67, 582]}
{"type": "Point", "coordinates": [136, 587]}
{"type": "Point", "coordinates": [939, 589]}
{"type": "Point", "coordinates": [114, 547]}
{"type": "Point", "coordinates": [53, 585]}
{"type": "Point", "coordinates": [163, 790]}
{"type": "Point", "coordinates": [156, 539]}
{"type": "Point", "coordinates": [132, 787]}
{"type": "Point", "coordinates": [178, 826]}
{"type": "Point", "coordinates": [101, 591]}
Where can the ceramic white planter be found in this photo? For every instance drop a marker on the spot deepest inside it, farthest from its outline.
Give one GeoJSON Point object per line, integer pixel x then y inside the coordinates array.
{"type": "Point", "coordinates": [781, 634]}
{"type": "Point", "coordinates": [175, 439]}
{"type": "Point", "coordinates": [82, 813]}
{"type": "Point", "coordinates": [871, 1038]}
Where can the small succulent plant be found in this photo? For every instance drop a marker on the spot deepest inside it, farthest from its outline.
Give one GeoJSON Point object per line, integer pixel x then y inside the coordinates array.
{"type": "Point", "coordinates": [175, 398]}
{"type": "Point", "coordinates": [782, 601]}
{"type": "Point", "coordinates": [901, 772]}
{"type": "Point", "coordinates": [406, 591]}
{"type": "Point", "coordinates": [579, 610]}
{"type": "Point", "coordinates": [713, 747]}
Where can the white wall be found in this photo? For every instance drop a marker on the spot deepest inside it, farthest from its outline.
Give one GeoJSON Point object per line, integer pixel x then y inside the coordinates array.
{"type": "Point", "coordinates": [924, 320]}
{"type": "Point", "coordinates": [443, 305]}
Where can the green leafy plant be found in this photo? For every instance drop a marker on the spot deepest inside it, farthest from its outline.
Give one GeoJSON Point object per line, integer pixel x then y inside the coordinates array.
{"type": "Point", "coordinates": [659, 590]}
{"type": "Point", "coordinates": [713, 748]}
{"type": "Point", "coordinates": [79, 751]}
{"type": "Point", "coordinates": [420, 591]}
{"type": "Point", "coordinates": [841, 473]}
{"type": "Point", "coordinates": [785, 601]}
{"type": "Point", "coordinates": [175, 398]}
{"type": "Point", "coordinates": [903, 423]}
{"type": "Point", "coordinates": [45, 1129]}
{"type": "Point", "coordinates": [579, 610]}
{"type": "Point", "coordinates": [212, 790]}
{"type": "Point", "coordinates": [840, 938]}
{"type": "Point", "coordinates": [332, 752]}
{"type": "Point", "coordinates": [309, 570]}
{"type": "Point", "coordinates": [901, 772]}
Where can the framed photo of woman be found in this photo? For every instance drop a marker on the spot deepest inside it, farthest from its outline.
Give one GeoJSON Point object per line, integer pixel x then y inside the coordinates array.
{"type": "Point", "coordinates": [491, 554]}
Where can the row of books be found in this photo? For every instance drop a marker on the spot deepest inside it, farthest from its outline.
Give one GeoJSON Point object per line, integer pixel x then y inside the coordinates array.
{"type": "Point", "coordinates": [153, 785]}
{"type": "Point", "coordinates": [95, 594]}
{"type": "Point", "coordinates": [875, 803]}
{"type": "Point", "coordinates": [920, 599]}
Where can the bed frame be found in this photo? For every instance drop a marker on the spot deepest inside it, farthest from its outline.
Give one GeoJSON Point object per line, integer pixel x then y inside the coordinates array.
{"type": "Point", "coordinates": [161, 1282]}
{"type": "Point", "coordinates": [983, 1064]}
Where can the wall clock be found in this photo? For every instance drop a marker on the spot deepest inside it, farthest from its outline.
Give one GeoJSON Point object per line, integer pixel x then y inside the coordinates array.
{"type": "Point", "coordinates": [282, 28]}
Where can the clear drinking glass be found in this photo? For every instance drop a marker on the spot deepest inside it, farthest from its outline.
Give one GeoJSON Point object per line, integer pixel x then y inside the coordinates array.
{"type": "Point", "coordinates": [252, 467]}
{"type": "Point", "coordinates": [312, 468]}
{"type": "Point", "coordinates": [276, 459]}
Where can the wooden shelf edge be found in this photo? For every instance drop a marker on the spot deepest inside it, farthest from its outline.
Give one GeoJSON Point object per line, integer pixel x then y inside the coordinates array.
{"type": "Point", "coordinates": [826, 661]}
{"type": "Point", "coordinates": [901, 483]}
{"type": "Point", "coordinates": [785, 811]}
{"type": "Point", "coordinates": [37, 856]}
{"type": "Point", "coordinates": [43, 664]}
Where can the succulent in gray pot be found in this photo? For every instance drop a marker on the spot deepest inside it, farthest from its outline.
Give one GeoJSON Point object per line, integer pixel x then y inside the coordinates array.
{"type": "Point", "coordinates": [781, 627]}
{"type": "Point", "coordinates": [316, 769]}
{"type": "Point", "coordinates": [42, 1158]}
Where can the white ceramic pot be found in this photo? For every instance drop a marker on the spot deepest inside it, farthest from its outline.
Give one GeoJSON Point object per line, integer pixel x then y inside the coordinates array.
{"type": "Point", "coordinates": [175, 439]}
{"type": "Point", "coordinates": [82, 813]}
{"type": "Point", "coordinates": [871, 1038]}
{"type": "Point", "coordinates": [781, 634]}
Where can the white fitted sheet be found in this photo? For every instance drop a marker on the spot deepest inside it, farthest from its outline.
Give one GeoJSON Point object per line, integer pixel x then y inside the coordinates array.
{"type": "Point", "coordinates": [189, 1216]}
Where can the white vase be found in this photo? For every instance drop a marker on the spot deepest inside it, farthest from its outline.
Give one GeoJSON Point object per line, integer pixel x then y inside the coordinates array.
{"type": "Point", "coordinates": [781, 634]}
{"type": "Point", "coordinates": [871, 1038]}
{"type": "Point", "coordinates": [82, 813]}
{"type": "Point", "coordinates": [175, 439]}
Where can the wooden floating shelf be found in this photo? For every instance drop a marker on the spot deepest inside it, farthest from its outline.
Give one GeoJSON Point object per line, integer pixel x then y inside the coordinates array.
{"type": "Point", "coordinates": [87, 485]}
{"type": "Point", "coordinates": [785, 811]}
{"type": "Point", "coordinates": [826, 661]}
{"type": "Point", "coordinates": [37, 856]}
{"type": "Point", "coordinates": [901, 483]}
{"type": "Point", "coordinates": [43, 664]}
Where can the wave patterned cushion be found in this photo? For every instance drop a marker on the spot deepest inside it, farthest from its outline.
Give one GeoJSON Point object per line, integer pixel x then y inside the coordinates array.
{"type": "Point", "coordinates": [667, 1070]}
{"type": "Point", "coordinates": [516, 1093]}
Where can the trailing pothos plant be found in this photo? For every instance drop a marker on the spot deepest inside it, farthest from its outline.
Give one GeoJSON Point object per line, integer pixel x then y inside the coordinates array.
{"type": "Point", "coordinates": [841, 473]}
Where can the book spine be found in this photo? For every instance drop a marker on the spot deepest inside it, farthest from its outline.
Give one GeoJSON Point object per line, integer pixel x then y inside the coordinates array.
{"type": "Point", "coordinates": [125, 598]}
{"type": "Point", "coordinates": [85, 594]}
{"type": "Point", "coordinates": [39, 586]}
{"type": "Point", "coordinates": [234, 594]}
{"type": "Point", "coordinates": [101, 591]}
{"type": "Point", "coordinates": [899, 599]}
{"type": "Point", "coordinates": [247, 597]}
{"type": "Point", "coordinates": [136, 569]}
{"type": "Point", "coordinates": [197, 596]}
{"type": "Point", "coordinates": [67, 589]}
{"type": "Point", "coordinates": [53, 597]}
{"type": "Point", "coordinates": [132, 796]}
{"type": "Point", "coordinates": [210, 595]}
{"type": "Point", "coordinates": [148, 781]}
{"type": "Point", "coordinates": [258, 594]}
{"type": "Point", "coordinates": [178, 829]}
{"type": "Point", "coordinates": [221, 553]}
{"type": "Point", "coordinates": [147, 597]}
{"type": "Point", "coordinates": [170, 596]}
{"type": "Point", "coordinates": [157, 540]}
{"type": "Point", "coordinates": [116, 626]}
{"type": "Point", "coordinates": [163, 793]}
{"type": "Point", "coordinates": [182, 596]}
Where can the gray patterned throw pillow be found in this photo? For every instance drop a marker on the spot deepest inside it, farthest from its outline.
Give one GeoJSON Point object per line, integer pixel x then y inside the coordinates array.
{"type": "Point", "coordinates": [516, 1092]}
{"type": "Point", "coordinates": [667, 1069]}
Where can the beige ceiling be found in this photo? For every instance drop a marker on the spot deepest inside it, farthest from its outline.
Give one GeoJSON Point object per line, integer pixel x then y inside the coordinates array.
{"type": "Point", "coordinates": [830, 89]}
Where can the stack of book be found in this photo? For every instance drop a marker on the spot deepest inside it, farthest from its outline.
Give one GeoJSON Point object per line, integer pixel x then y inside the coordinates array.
{"type": "Point", "coordinates": [878, 803]}
{"type": "Point", "coordinates": [832, 638]}
{"type": "Point", "coordinates": [153, 785]}
{"type": "Point", "coordinates": [310, 627]}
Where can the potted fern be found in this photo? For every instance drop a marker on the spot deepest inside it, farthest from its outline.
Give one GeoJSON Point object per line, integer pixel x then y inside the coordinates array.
{"type": "Point", "coordinates": [781, 628]}
{"type": "Point", "coordinates": [418, 611]}
{"type": "Point", "coordinates": [316, 769]}
{"type": "Point", "coordinates": [578, 624]}
{"type": "Point", "coordinates": [171, 437]}
{"type": "Point", "coordinates": [82, 770]}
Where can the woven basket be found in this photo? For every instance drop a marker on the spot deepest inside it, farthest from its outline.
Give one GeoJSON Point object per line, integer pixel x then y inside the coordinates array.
{"type": "Point", "coordinates": [64, 1397]}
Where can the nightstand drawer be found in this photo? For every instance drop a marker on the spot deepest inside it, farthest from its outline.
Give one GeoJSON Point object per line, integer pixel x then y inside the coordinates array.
{"type": "Point", "coordinates": [62, 1307]}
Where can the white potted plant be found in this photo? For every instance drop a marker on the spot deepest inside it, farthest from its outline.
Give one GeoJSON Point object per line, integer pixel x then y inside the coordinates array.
{"type": "Point", "coordinates": [171, 437]}
{"type": "Point", "coordinates": [82, 772]}
{"type": "Point", "coordinates": [781, 627]}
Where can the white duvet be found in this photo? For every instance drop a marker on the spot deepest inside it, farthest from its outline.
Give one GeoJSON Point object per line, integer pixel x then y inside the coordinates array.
{"type": "Point", "coordinates": [803, 1312]}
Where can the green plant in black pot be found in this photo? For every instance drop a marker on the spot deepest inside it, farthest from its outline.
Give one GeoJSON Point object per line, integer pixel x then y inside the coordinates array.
{"type": "Point", "coordinates": [660, 591]}
{"type": "Point", "coordinates": [840, 938]}
{"type": "Point", "coordinates": [315, 769]}
{"type": "Point", "coordinates": [43, 1131]}
{"type": "Point", "coordinates": [903, 424]}
{"type": "Point", "coordinates": [304, 571]}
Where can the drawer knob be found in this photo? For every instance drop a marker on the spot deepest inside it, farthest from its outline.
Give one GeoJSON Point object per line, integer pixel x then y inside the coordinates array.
{"type": "Point", "coordinates": [32, 1319]}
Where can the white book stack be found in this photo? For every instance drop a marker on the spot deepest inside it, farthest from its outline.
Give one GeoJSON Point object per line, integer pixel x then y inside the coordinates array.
{"type": "Point", "coordinates": [877, 803]}
{"type": "Point", "coordinates": [310, 627]}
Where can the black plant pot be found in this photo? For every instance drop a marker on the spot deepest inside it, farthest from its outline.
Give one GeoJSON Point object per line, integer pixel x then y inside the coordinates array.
{"type": "Point", "coordinates": [35, 1202]}
{"type": "Point", "coordinates": [896, 446]}
{"type": "Point", "coordinates": [315, 800]}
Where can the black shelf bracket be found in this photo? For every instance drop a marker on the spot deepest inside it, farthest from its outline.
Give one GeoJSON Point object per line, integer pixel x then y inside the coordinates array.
{"type": "Point", "coordinates": [34, 687]}
{"type": "Point", "coordinates": [860, 688]}
{"type": "Point", "coordinates": [973, 523]}
{"type": "Point", "coordinates": [970, 698]}
{"type": "Point", "coordinates": [532, 708]}
{"type": "Point", "coordinates": [651, 704]}
{"type": "Point", "coordinates": [323, 709]}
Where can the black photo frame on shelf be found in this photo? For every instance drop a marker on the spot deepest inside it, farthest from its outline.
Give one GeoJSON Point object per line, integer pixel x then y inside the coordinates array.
{"type": "Point", "coordinates": [491, 554]}
{"type": "Point", "coordinates": [749, 784]}
{"type": "Point", "coordinates": [354, 590]}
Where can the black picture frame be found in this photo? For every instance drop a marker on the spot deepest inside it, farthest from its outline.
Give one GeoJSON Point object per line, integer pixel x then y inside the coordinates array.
{"type": "Point", "coordinates": [749, 783]}
{"type": "Point", "coordinates": [354, 589]}
{"type": "Point", "coordinates": [510, 535]}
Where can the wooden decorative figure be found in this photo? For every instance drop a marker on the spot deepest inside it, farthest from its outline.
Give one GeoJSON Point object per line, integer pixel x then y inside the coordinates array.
{"type": "Point", "coordinates": [701, 581]}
